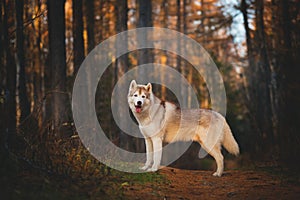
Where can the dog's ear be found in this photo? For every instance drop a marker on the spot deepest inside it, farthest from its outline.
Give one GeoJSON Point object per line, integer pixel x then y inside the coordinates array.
{"type": "Point", "coordinates": [149, 87]}
{"type": "Point", "coordinates": [132, 86]}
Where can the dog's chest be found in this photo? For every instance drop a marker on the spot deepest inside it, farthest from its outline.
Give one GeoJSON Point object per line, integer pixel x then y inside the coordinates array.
{"type": "Point", "coordinates": [152, 129]}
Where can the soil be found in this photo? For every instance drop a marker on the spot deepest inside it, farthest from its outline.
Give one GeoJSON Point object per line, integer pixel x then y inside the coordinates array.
{"type": "Point", "coordinates": [234, 184]}
{"type": "Point", "coordinates": [258, 182]}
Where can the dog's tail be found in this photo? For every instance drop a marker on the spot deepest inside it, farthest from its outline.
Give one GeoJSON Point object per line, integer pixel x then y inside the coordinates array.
{"type": "Point", "coordinates": [229, 142]}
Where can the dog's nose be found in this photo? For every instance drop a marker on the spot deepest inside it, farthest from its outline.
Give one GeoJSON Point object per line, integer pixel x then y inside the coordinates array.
{"type": "Point", "coordinates": [139, 103]}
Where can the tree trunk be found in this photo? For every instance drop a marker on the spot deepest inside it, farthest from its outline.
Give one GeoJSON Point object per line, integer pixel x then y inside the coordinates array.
{"type": "Point", "coordinates": [144, 20]}
{"type": "Point", "coordinates": [181, 68]}
{"type": "Point", "coordinates": [2, 85]}
{"type": "Point", "coordinates": [78, 44]}
{"type": "Point", "coordinates": [11, 71]}
{"type": "Point", "coordinates": [144, 55]}
{"type": "Point", "coordinates": [90, 24]}
{"type": "Point", "coordinates": [38, 77]}
{"type": "Point", "coordinates": [57, 49]}
{"type": "Point", "coordinates": [288, 82]}
{"type": "Point", "coordinates": [164, 59]}
{"type": "Point", "coordinates": [264, 80]}
{"type": "Point", "coordinates": [178, 26]}
{"type": "Point", "coordinates": [122, 64]}
{"type": "Point", "coordinates": [252, 73]}
{"type": "Point", "coordinates": [244, 11]}
{"type": "Point", "coordinates": [23, 98]}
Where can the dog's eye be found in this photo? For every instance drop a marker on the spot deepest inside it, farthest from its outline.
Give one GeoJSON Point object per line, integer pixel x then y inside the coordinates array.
{"type": "Point", "coordinates": [135, 95]}
{"type": "Point", "coordinates": [143, 96]}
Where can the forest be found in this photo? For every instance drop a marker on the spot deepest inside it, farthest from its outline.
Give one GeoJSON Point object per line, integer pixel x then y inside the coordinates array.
{"type": "Point", "coordinates": [44, 43]}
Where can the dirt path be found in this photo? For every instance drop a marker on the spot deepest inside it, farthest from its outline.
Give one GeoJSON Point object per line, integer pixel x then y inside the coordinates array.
{"type": "Point", "coordinates": [192, 184]}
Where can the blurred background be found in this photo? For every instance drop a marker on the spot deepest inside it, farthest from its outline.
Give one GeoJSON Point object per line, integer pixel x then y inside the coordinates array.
{"type": "Point", "coordinates": [254, 43]}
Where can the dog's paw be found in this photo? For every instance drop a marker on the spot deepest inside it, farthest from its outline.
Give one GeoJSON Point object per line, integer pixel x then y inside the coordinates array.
{"type": "Point", "coordinates": [217, 174]}
{"type": "Point", "coordinates": [145, 167]}
{"type": "Point", "coordinates": [152, 169]}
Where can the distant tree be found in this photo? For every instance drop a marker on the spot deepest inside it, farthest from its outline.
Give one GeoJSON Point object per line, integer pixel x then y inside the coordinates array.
{"type": "Point", "coordinates": [78, 44]}
{"type": "Point", "coordinates": [258, 75]}
{"type": "Point", "coordinates": [23, 98]}
{"type": "Point", "coordinates": [179, 29]}
{"type": "Point", "coordinates": [272, 78]}
{"type": "Point", "coordinates": [90, 23]}
{"type": "Point", "coordinates": [36, 38]}
{"type": "Point", "coordinates": [121, 65]}
{"type": "Point", "coordinates": [2, 81]}
{"type": "Point", "coordinates": [251, 92]}
{"type": "Point", "coordinates": [144, 20]}
{"type": "Point", "coordinates": [288, 81]}
{"type": "Point", "coordinates": [264, 112]}
{"type": "Point", "coordinates": [57, 67]}
{"type": "Point", "coordinates": [11, 74]}
{"type": "Point", "coordinates": [2, 69]}
{"type": "Point", "coordinates": [144, 55]}
{"type": "Point", "coordinates": [180, 48]}
{"type": "Point", "coordinates": [244, 9]}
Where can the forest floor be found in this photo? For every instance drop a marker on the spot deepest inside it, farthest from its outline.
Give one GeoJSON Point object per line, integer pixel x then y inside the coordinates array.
{"type": "Point", "coordinates": [234, 184]}
{"type": "Point", "coordinates": [24, 182]}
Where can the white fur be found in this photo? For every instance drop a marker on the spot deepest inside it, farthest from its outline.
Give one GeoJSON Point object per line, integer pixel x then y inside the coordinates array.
{"type": "Point", "coordinates": [162, 121]}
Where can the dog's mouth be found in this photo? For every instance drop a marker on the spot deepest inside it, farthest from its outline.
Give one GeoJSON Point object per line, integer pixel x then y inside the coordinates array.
{"type": "Point", "coordinates": [138, 108]}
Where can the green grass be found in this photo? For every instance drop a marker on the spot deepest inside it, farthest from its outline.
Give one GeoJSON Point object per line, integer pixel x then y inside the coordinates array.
{"type": "Point", "coordinates": [142, 178]}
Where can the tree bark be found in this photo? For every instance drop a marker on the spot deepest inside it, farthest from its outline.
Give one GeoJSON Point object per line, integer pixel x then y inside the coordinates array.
{"type": "Point", "coordinates": [264, 101]}
{"type": "Point", "coordinates": [144, 55]}
{"type": "Point", "coordinates": [90, 14]}
{"type": "Point", "coordinates": [23, 98]}
{"type": "Point", "coordinates": [180, 48]}
{"type": "Point", "coordinates": [11, 71]}
{"type": "Point", "coordinates": [178, 26]}
{"type": "Point", "coordinates": [121, 66]}
{"type": "Point", "coordinates": [144, 20]}
{"type": "Point", "coordinates": [78, 44]}
{"type": "Point", "coordinates": [252, 85]}
{"type": "Point", "coordinates": [2, 84]}
{"type": "Point", "coordinates": [244, 11]}
{"type": "Point", "coordinates": [57, 49]}
{"type": "Point", "coordinates": [288, 81]}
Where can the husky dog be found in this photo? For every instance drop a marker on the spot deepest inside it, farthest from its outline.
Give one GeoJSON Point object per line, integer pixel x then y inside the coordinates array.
{"type": "Point", "coordinates": [161, 121]}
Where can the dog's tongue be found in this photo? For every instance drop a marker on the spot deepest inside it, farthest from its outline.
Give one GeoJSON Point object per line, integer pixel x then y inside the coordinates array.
{"type": "Point", "coordinates": [138, 109]}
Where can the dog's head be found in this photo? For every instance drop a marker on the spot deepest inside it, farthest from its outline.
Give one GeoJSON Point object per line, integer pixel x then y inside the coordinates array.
{"type": "Point", "coordinates": [139, 97]}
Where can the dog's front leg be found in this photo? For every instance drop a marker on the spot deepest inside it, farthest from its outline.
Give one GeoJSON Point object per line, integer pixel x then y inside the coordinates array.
{"type": "Point", "coordinates": [157, 151]}
{"type": "Point", "coordinates": [149, 153]}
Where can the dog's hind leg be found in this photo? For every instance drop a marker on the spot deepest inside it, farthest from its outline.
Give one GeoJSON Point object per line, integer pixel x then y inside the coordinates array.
{"type": "Point", "coordinates": [149, 154]}
{"type": "Point", "coordinates": [215, 152]}
{"type": "Point", "coordinates": [217, 155]}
